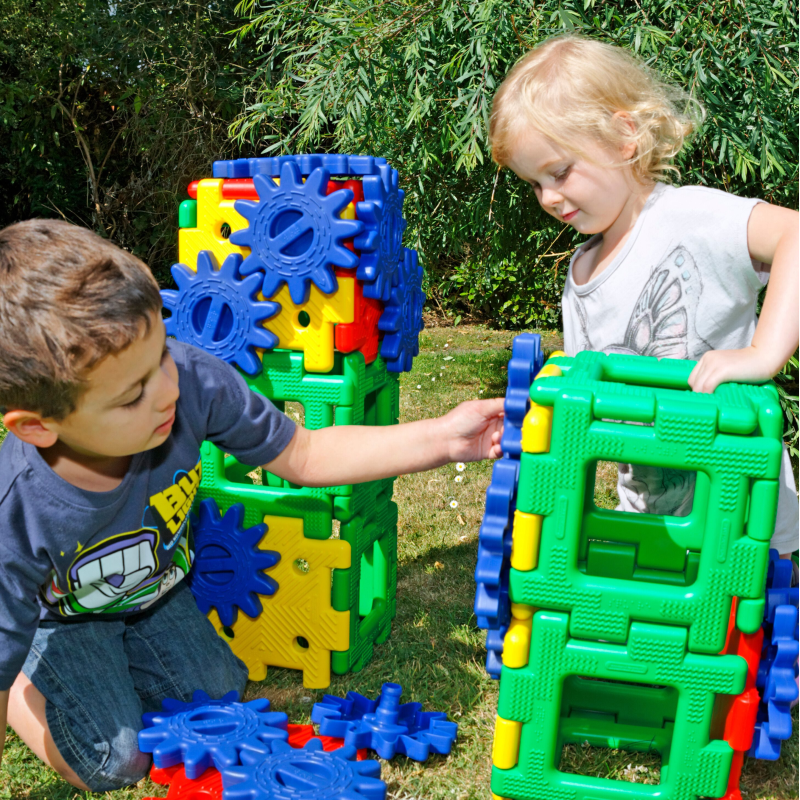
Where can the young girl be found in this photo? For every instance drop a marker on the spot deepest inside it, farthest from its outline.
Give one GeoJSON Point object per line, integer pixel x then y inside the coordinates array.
{"type": "Point", "coordinates": [668, 272]}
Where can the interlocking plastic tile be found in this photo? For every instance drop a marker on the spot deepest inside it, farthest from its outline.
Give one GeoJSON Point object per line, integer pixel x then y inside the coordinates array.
{"type": "Point", "coordinates": [336, 164]}
{"type": "Point", "coordinates": [207, 787]}
{"type": "Point", "coordinates": [401, 320]}
{"type": "Point", "coordinates": [732, 439]}
{"type": "Point", "coordinates": [297, 627]}
{"type": "Point", "coordinates": [537, 715]}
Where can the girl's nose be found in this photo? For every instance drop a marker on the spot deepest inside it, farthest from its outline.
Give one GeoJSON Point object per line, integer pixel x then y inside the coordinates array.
{"type": "Point", "coordinates": [550, 197]}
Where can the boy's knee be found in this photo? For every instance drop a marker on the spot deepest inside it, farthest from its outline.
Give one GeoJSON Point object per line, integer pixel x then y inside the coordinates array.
{"type": "Point", "coordinates": [125, 764]}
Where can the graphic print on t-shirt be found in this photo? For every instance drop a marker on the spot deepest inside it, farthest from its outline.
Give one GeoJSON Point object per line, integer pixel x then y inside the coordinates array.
{"type": "Point", "coordinates": [664, 320]}
{"type": "Point", "coordinates": [130, 571]}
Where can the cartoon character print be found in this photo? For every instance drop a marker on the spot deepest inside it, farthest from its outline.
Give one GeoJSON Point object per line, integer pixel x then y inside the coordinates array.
{"type": "Point", "coordinates": [130, 571]}
{"type": "Point", "coordinates": [663, 324]}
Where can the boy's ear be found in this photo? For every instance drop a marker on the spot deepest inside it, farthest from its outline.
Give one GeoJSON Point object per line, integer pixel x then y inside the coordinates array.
{"type": "Point", "coordinates": [30, 427]}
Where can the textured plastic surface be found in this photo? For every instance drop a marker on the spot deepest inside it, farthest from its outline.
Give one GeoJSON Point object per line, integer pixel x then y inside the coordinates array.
{"type": "Point", "coordinates": [526, 361]}
{"type": "Point", "coordinates": [298, 627]}
{"type": "Point", "coordinates": [401, 320]}
{"type": "Point", "coordinates": [210, 732]}
{"type": "Point", "coordinates": [290, 774]}
{"type": "Point", "coordinates": [213, 213]}
{"type": "Point", "coordinates": [295, 232]}
{"type": "Point", "coordinates": [362, 333]}
{"type": "Point", "coordinates": [217, 311]}
{"type": "Point", "coordinates": [384, 725]}
{"type": "Point", "coordinates": [335, 163]}
{"type": "Point", "coordinates": [535, 702]}
{"type": "Point", "coordinates": [227, 572]}
{"type": "Point", "coordinates": [300, 735]}
{"type": "Point", "coordinates": [732, 439]}
{"type": "Point", "coordinates": [207, 787]}
{"type": "Point", "coordinates": [381, 241]}
{"type": "Point", "coordinates": [492, 606]}
{"type": "Point", "coordinates": [777, 669]}
{"type": "Point", "coordinates": [310, 326]}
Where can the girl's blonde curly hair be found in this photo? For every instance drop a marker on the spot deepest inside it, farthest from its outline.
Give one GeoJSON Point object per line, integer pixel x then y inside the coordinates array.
{"type": "Point", "coordinates": [574, 89]}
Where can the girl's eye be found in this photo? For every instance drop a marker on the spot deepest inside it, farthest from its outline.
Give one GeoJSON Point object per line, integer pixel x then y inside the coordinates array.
{"type": "Point", "coordinates": [563, 174]}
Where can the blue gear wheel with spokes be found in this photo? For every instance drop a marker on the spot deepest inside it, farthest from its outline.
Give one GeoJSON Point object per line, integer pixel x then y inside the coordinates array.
{"type": "Point", "coordinates": [336, 164]}
{"type": "Point", "coordinates": [217, 311]}
{"type": "Point", "coordinates": [401, 320]}
{"type": "Point", "coordinates": [385, 725]}
{"type": "Point", "coordinates": [527, 359]}
{"type": "Point", "coordinates": [209, 732]}
{"type": "Point", "coordinates": [295, 234]}
{"type": "Point", "coordinates": [227, 572]}
{"type": "Point", "coordinates": [308, 773]}
{"type": "Point", "coordinates": [381, 242]}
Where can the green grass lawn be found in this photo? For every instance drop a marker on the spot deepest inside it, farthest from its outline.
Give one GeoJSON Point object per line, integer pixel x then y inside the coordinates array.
{"type": "Point", "coordinates": [435, 651]}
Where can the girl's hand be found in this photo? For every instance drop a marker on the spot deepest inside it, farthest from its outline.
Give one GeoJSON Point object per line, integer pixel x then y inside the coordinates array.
{"type": "Point", "coordinates": [720, 366]}
{"type": "Point", "coordinates": [474, 429]}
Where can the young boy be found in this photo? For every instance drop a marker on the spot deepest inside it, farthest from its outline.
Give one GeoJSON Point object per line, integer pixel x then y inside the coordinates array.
{"type": "Point", "coordinates": [105, 419]}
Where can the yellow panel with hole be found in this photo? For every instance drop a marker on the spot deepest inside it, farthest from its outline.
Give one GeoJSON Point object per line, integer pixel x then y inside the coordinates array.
{"type": "Point", "coordinates": [298, 628]}
{"type": "Point", "coordinates": [517, 642]}
{"type": "Point", "coordinates": [525, 541]}
{"type": "Point", "coordinates": [505, 750]}
{"type": "Point", "coordinates": [309, 326]}
{"type": "Point", "coordinates": [212, 213]}
{"type": "Point", "coordinates": [536, 429]}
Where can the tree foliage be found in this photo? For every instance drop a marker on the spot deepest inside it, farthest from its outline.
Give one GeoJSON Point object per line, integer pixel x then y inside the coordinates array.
{"type": "Point", "coordinates": [108, 110]}
{"type": "Point", "coordinates": [413, 80]}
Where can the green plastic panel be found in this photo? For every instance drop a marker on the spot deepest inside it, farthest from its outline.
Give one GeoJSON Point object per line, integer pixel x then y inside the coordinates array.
{"type": "Point", "coordinates": [674, 570]}
{"type": "Point", "coordinates": [682, 687]}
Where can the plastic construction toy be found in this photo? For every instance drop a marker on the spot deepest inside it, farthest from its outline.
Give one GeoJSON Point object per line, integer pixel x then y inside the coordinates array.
{"type": "Point", "coordinates": [298, 626]}
{"type": "Point", "coordinates": [227, 572]}
{"type": "Point", "coordinates": [209, 732]}
{"type": "Point", "coordinates": [401, 321]}
{"type": "Point", "coordinates": [289, 774]}
{"type": "Point", "coordinates": [207, 787]}
{"type": "Point", "coordinates": [609, 568]}
{"type": "Point", "coordinates": [336, 164]}
{"type": "Point", "coordinates": [526, 361]}
{"type": "Point", "coordinates": [664, 705]}
{"type": "Point", "coordinates": [295, 232]}
{"type": "Point", "coordinates": [492, 606]}
{"type": "Point", "coordinates": [384, 725]}
{"type": "Point", "coordinates": [381, 242]}
{"type": "Point", "coordinates": [217, 311]}
{"type": "Point", "coordinates": [362, 333]}
{"type": "Point", "coordinates": [777, 670]}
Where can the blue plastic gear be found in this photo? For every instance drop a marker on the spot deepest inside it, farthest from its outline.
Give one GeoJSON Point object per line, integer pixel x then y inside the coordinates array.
{"type": "Point", "coordinates": [492, 604]}
{"type": "Point", "coordinates": [527, 359]}
{"type": "Point", "coordinates": [295, 234]}
{"type": "Point", "coordinates": [308, 773]}
{"type": "Point", "coordinates": [336, 164]}
{"type": "Point", "coordinates": [381, 242]}
{"type": "Point", "coordinates": [777, 671]}
{"type": "Point", "coordinates": [401, 320]}
{"type": "Point", "coordinates": [210, 732]}
{"type": "Point", "coordinates": [227, 569]}
{"type": "Point", "coordinates": [385, 726]}
{"type": "Point", "coordinates": [215, 310]}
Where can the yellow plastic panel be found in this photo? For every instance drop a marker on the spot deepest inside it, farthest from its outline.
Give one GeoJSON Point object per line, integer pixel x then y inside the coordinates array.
{"type": "Point", "coordinates": [517, 643]}
{"type": "Point", "coordinates": [557, 354]}
{"type": "Point", "coordinates": [297, 628]}
{"type": "Point", "coordinates": [212, 212]}
{"type": "Point", "coordinates": [549, 370]}
{"type": "Point", "coordinates": [505, 750]}
{"type": "Point", "coordinates": [323, 312]}
{"type": "Point", "coordinates": [525, 541]}
{"type": "Point", "coordinates": [536, 429]}
{"type": "Point", "coordinates": [521, 611]}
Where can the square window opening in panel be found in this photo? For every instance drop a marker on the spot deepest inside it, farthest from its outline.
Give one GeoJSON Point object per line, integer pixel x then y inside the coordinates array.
{"type": "Point", "coordinates": [615, 730]}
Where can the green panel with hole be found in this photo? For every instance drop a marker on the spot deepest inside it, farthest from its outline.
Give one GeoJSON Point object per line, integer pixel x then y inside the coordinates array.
{"type": "Point", "coordinates": [610, 568]}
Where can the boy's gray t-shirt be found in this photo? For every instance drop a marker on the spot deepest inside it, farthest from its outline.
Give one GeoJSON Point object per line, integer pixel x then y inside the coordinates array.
{"type": "Point", "coordinates": [683, 284]}
{"type": "Point", "coordinates": [66, 553]}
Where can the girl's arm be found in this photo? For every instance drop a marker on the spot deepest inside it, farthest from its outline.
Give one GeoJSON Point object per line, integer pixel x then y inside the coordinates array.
{"type": "Point", "coordinates": [772, 238]}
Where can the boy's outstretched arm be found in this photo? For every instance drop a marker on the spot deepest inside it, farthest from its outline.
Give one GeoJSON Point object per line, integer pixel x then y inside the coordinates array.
{"type": "Point", "coordinates": [355, 453]}
{"type": "Point", "coordinates": [772, 238]}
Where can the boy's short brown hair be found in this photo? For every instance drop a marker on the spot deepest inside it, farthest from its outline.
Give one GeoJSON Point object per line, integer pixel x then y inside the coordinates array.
{"type": "Point", "coordinates": [68, 299]}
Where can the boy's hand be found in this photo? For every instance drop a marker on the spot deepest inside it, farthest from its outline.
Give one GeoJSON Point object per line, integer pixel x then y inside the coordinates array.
{"type": "Point", "coordinates": [747, 365]}
{"type": "Point", "coordinates": [474, 429]}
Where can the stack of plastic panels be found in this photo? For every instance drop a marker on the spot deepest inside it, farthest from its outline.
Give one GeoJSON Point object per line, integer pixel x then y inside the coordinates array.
{"type": "Point", "coordinates": [293, 270]}
{"type": "Point", "coordinates": [619, 628]}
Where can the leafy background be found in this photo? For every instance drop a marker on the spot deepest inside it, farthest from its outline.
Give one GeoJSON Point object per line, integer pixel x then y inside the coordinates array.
{"type": "Point", "coordinates": [109, 109]}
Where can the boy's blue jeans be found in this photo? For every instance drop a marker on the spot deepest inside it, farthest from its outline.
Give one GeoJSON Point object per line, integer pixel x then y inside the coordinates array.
{"type": "Point", "coordinates": [99, 677]}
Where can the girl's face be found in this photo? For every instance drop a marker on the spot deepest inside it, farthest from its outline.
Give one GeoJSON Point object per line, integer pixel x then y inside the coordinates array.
{"type": "Point", "coordinates": [587, 193]}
